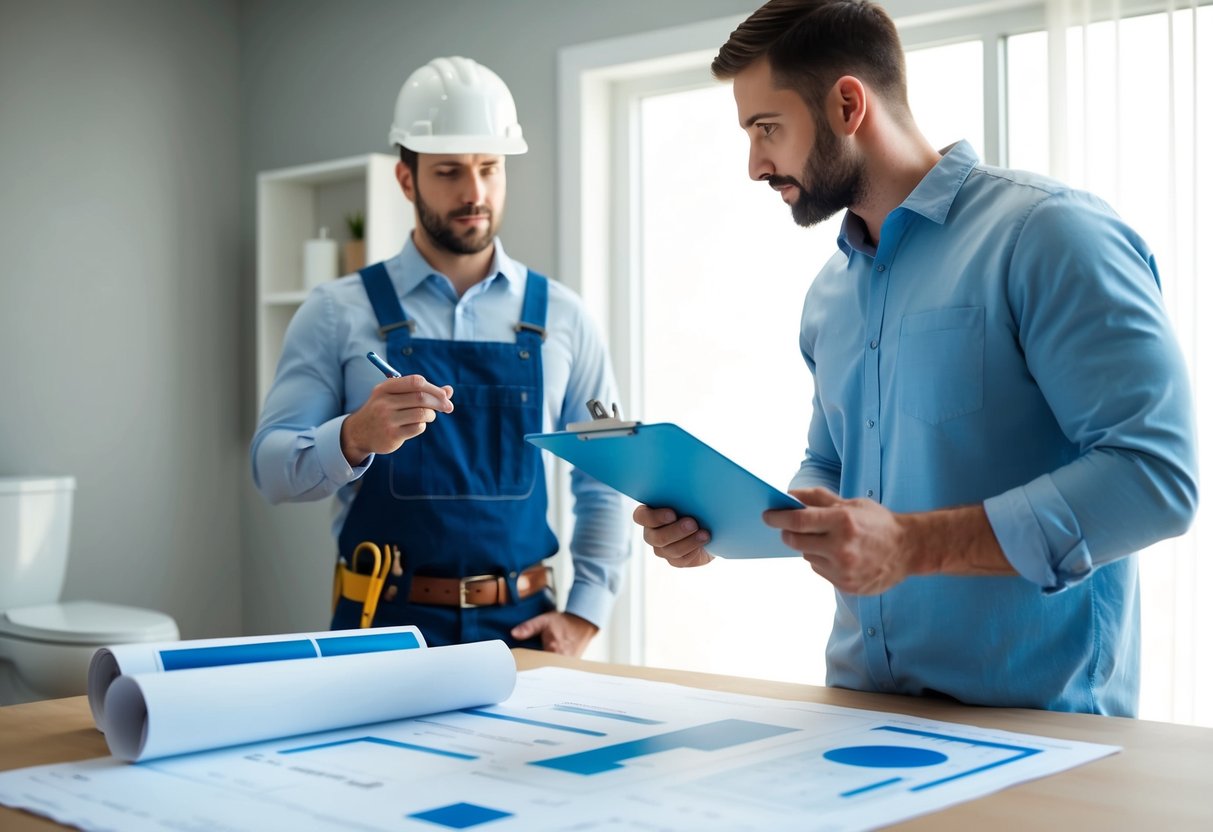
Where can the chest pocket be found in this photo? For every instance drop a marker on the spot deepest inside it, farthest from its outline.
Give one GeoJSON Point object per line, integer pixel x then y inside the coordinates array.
{"type": "Point", "coordinates": [476, 451]}
{"type": "Point", "coordinates": [940, 356]}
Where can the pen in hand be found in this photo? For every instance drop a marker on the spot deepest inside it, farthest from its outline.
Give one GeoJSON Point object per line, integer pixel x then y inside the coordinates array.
{"type": "Point", "coordinates": [384, 367]}
{"type": "Point", "coordinates": [391, 372]}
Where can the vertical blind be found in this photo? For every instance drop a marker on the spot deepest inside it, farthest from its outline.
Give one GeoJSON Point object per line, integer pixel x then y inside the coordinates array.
{"type": "Point", "coordinates": [1130, 94]}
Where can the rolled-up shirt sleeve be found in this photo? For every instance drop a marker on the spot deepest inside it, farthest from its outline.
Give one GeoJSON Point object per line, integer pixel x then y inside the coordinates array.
{"type": "Point", "coordinates": [1097, 340]}
{"type": "Point", "coordinates": [296, 450]}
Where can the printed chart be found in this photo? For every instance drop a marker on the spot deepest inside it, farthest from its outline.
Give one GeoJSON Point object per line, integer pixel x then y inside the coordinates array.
{"type": "Point", "coordinates": [569, 750]}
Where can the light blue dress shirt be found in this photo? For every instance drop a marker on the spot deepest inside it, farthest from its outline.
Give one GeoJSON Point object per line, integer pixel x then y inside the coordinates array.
{"type": "Point", "coordinates": [1005, 344]}
{"type": "Point", "coordinates": [324, 374]}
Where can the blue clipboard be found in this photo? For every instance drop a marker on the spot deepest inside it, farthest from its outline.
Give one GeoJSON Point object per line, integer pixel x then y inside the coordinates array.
{"type": "Point", "coordinates": [663, 466]}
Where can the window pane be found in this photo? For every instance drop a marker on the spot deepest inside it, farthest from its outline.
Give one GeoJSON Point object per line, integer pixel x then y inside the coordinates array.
{"type": "Point", "coordinates": [724, 273]}
{"type": "Point", "coordinates": [1028, 102]}
{"type": "Point", "coordinates": [946, 93]}
{"type": "Point", "coordinates": [1139, 117]}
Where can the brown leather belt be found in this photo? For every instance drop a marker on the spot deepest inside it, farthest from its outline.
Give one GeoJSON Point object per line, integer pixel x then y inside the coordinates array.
{"type": "Point", "coordinates": [477, 590]}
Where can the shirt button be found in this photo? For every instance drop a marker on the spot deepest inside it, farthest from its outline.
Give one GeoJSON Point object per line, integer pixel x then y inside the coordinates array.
{"type": "Point", "coordinates": [880, 268]}
{"type": "Point", "coordinates": [874, 343]}
{"type": "Point", "coordinates": [871, 423]}
{"type": "Point", "coordinates": [871, 631]}
{"type": "Point", "coordinates": [870, 492]}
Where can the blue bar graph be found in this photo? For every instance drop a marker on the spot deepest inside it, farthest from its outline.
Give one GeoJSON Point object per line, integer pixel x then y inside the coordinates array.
{"type": "Point", "coordinates": [713, 736]}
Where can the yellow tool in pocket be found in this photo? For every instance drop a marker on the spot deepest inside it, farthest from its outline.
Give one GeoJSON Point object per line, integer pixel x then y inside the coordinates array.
{"type": "Point", "coordinates": [352, 582]}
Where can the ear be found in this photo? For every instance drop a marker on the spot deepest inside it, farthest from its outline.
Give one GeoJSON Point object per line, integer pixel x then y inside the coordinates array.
{"type": "Point", "coordinates": [405, 177]}
{"type": "Point", "coordinates": [847, 105]}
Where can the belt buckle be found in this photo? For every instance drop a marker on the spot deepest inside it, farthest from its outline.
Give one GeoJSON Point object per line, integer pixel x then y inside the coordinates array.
{"type": "Point", "coordinates": [464, 603]}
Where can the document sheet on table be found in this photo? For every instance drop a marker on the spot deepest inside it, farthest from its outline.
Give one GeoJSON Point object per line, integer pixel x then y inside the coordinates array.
{"type": "Point", "coordinates": [569, 750]}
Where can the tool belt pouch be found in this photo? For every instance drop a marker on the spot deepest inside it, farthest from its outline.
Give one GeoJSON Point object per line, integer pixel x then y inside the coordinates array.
{"type": "Point", "coordinates": [351, 585]}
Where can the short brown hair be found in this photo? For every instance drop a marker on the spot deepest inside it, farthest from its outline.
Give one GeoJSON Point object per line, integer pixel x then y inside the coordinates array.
{"type": "Point", "coordinates": [409, 157]}
{"type": "Point", "coordinates": [812, 43]}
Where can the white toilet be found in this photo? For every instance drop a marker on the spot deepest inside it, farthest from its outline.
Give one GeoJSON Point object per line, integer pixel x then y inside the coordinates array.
{"type": "Point", "coordinates": [45, 643]}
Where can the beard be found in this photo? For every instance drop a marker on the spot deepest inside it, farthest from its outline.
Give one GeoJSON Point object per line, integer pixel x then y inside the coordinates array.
{"type": "Point", "coordinates": [444, 234]}
{"type": "Point", "coordinates": [839, 180]}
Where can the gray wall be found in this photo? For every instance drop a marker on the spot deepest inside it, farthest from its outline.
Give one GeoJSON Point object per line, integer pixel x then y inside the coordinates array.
{"type": "Point", "coordinates": [120, 291]}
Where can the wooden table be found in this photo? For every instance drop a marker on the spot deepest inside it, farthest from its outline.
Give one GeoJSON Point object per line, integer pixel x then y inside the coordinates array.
{"type": "Point", "coordinates": [1161, 782]}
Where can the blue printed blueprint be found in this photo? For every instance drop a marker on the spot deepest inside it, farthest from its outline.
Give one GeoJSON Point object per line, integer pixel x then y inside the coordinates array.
{"type": "Point", "coordinates": [568, 751]}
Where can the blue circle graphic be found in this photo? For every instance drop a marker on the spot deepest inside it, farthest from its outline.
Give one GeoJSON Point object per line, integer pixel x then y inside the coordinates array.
{"type": "Point", "coordinates": [885, 756]}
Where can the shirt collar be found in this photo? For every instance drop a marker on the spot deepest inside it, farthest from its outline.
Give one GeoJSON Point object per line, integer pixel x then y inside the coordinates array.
{"type": "Point", "coordinates": [931, 199]}
{"type": "Point", "coordinates": [408, 270]}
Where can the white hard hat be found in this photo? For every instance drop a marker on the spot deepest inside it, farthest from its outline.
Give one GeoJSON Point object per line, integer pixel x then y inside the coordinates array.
{"type": "Point", "coordinates": [455, 105]}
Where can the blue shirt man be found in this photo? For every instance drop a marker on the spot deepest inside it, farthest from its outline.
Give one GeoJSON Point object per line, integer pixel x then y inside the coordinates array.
{"type": "Point", "coordinates": [1005, 344]}
{"type": "Point", "coordinates": [1001, 414]}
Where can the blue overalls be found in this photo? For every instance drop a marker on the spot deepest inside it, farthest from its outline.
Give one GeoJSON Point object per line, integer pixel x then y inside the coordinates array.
{"type": "Point", "coordinates": [466, 497]}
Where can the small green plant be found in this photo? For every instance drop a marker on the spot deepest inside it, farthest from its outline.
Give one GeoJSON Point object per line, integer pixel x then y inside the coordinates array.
{"type": "Point", "coordinates": [357, 225]}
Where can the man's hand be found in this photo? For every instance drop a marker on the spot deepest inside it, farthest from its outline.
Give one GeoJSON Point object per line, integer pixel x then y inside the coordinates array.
{"type": "Point", "coordinates": [857, 545]}
{"type": "Point", "coordinates": [397, 410]}
{"type": "Point", "coordinates": [562, 632]}
{"type": "Point", "coordinates": [679, 540]}
{"type": "Point", "coordinates": [863, 548]}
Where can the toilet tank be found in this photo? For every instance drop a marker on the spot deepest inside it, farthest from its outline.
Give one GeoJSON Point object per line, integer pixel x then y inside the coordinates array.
{"type": "Point", "coordinates": [35, 529]}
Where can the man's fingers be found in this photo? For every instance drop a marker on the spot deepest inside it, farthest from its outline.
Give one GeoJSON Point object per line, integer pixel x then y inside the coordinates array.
{"type": "Point", "coordinates": [698, 557]}
{"type": "Point", "coordinates": [652, 518]}
{"type": "Point", "coordinates": [685, 534]}
{"type": "Point", "coordinates": [414, 415]}
{"type": "Point", "coordinates": [529, 628]}
{"type": "Point", "coordinates": [819, 497]}
{"type": "Point", "coordinates": [426, 393]}
{"type": "Point", "coordinates": [804, 520]}
{"type": "Point", "coordinates": [662, 527]}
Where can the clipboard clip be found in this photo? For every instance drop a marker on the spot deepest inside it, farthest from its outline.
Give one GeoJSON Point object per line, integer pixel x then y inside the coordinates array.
{"type": "Point", "coordinates": [602, 425]}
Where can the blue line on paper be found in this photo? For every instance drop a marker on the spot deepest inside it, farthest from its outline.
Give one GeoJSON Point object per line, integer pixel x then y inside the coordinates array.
{"type": "Point", "coordinates": [369, 643]}
{"type": "Point", "coordinates": [535, 722]}
{"type": "Point", "coordinates": [948, 738]}
{"type": "Point", "coordinates": [1020, 752]}
{"type": "Point", "coordinates": [636, 720]}
{"type": "Point", "coordinates": [869, 788]}
{"type": "Point", "coordinates": [265, 651]}
{"type": "Point", "coordinates": [381, 741]}
{"type": "Point", "coordinates": [710, 737]}
{"type": "Point", "coordinates": [460, 815]}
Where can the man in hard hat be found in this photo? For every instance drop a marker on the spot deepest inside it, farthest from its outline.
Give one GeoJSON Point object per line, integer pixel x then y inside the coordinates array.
{"type": "Point", "coordinates": [442, 519]}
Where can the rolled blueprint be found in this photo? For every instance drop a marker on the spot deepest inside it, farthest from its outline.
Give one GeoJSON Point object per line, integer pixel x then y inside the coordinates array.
{"type": "Point", "coordinates": [162, 714]}
{"type": "Point", "coordinates": [108, 663]}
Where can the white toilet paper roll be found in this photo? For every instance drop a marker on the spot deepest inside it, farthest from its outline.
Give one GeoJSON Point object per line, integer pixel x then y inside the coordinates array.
{"type": "Point", "coordinates": [319, 260]}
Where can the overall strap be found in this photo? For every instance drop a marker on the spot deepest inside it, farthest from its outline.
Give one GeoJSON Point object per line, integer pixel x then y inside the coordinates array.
{"type": "Point", "coordinates": [534, 310]}
{"type": "Point", "coordinates": [382, 294]}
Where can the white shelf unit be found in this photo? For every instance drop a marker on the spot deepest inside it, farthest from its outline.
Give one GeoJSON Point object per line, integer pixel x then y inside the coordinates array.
{"type": "Point", "coordinates": [293, 204]}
